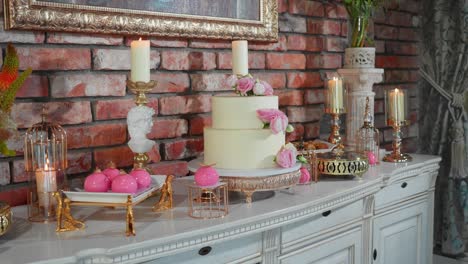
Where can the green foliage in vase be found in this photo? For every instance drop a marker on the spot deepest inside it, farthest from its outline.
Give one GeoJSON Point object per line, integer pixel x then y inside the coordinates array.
{"type": "Point", "coordinates": [360, 12]}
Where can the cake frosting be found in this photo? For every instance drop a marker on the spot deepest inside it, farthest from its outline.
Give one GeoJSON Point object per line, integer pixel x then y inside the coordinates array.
{"type": "Point", "coordinates": [237, 139]}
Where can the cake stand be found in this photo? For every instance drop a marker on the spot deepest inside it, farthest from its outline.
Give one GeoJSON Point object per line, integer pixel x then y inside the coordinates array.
{"type": "Point", "coordinates": [254, 180]}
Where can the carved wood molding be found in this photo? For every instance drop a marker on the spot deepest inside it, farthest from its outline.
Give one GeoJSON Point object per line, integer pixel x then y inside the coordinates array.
{"type": "Point", "coordinates": [24, 15]}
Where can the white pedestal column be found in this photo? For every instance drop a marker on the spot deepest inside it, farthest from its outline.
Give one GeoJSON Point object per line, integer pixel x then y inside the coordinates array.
{"type": "Point", "coordinates": [359, 83]}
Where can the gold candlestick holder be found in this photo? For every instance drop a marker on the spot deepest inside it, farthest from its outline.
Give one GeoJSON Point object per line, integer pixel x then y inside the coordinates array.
{"type": "Point", "coordinates": [335, 136]}
{"type": "Point", "coordinates": [396, 156]}
{"type": "Point", "coordinates": [140, 160]}
{"type": "Point", "coordinates": [335, 105]}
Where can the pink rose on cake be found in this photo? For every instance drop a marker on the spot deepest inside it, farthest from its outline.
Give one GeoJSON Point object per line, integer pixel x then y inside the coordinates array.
{"type": "Point", "coordinates": [248, 86]}
{"type": "Point", "coordinates": [286, 157]}
{"type": "Point", "coordinates": [268, 88]}
{"type": "Point", "coordinates": [276, 120]}
{"type": "Point", "coordinates": [244, 85]}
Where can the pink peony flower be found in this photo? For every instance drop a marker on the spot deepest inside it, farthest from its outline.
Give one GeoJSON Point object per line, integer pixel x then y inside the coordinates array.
{"type": "Point", "coordinates": [286, 158]}
{"type": "Point", "coordinates": [231, 81]}
{"type": "Point", "coordinates": [267, 114]}
{"type": "Point", "coordinates": [245, 85]}
{"type": "Point", "coordinates": [305, 176]}
{"type": "Point", "coordinates": [279, 123]}
{"type": "Point", "coordinates": [259, 89]}
{"type": "Point", "coordinates": [268, 88]}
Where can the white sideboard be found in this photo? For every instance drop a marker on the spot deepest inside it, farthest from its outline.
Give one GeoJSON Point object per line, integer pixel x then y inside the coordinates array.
{"type": "Point", "coordinates": [385, 218]}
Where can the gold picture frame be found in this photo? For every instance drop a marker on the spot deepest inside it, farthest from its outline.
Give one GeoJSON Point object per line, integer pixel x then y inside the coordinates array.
{"type": "Point", "coordinates": [60, 15]}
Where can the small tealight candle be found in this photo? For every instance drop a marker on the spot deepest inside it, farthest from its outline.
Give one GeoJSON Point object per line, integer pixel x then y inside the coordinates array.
{"type": "Point", "coordinates": [140, 60]}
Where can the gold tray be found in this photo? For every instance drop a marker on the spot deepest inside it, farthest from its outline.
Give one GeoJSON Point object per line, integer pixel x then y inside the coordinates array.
{"type": "Point", "coordinates": [342, 164]}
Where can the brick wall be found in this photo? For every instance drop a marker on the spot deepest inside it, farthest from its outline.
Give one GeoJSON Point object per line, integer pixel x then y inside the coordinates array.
{"type": "Point", "coordinates": [81, 79]}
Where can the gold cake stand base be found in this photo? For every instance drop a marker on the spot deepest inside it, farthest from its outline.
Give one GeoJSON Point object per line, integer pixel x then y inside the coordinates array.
{"type": "Point", "coordinates": [342, 164]}
{"type": "Point", "coordinates": [250, 185]}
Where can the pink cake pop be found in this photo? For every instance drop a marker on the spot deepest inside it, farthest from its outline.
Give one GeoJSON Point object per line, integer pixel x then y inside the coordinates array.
{"type": "Point", "coordinates": [124, 183]}
{"type": "Point", "coordinates": [372, 158]}
{"type": "Point", "coordinates": [111, 172]}
{"type": "Point", "coordinates": [142, 177]}
{"type": "Point", "coordinates": [206, 175]}
{"type": "Point", "coordinates": [97, 182]}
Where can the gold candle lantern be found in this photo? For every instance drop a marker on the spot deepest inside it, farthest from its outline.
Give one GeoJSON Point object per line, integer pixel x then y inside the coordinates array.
{"type": "Point", "coordinates": [208, 202]}
{"type": "Point", "coordinates": [335, 105]}
{"type": "Point", "coordinates": [368, 138]}
{"type": "Point", "coordinates": [396, 115]}
{"type": "Point", "coordinates": [45, 156]}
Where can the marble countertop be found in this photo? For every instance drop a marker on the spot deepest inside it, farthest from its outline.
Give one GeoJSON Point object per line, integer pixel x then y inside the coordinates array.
{"type": "Point", "coordinates": [104, 235]}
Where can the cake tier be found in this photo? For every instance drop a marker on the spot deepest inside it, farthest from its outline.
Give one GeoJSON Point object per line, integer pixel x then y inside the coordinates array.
{"type": "Point", "coordinates": [240, 112]}
{"type": "Point", "coordinates": [241, 149]}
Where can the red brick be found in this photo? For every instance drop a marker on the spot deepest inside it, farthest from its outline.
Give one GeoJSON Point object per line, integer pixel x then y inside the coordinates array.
{"type": "Point", "coordinates": [185, 104]}
{"type": "Point", "coordinates": [210, 44]}
{"type": "Point", "coordinates": [210, 82]}
{"type": "Point", "coordinates": [4, 173]}
{"type": "Point", "coordinates": [85, 39]}
{"type": "Point", "coordinates": [344, 29]}
{"type": "Point", "coordinates": [15, 197]}
{"type": "Point", "coordinates": [184, 148]}
{"type": "Point", "coordinates": [154, 155]}
{"type": "Point", "coordinates": [256, 60]}
{"type": "Point", "coordinates": [276, 80]}
{"type": "Point", "coordinates": [291, 23]}
{"type": "Point", "coordinates": [315, 96]}
{"type": "Point", "coordinates": [379, 106]}
{"type": "Point", "coordinates": [285, 61]}
{"type": "Point", "coordinates": [19, 175]}
{"type": "Point", "coordinates": [304, 79]}
{"type": "Point", "coordinates": [410, 6]}
{"type": "Point", "coordinates": [396, 61]}
{"type": "Point", "coordinates": [161, 42]}
{"type": "Point", "coordinates": [325, 27]}
{"type": "Point", "coordinates": [34, 86]}
{"type": "Point", "coordinates": [301, 42]}
{"type": "Point", "coordinates": [401, 76]}
{"type": "Point", "coordinates": [282, 6]}
{"type": "Point", "coordinates": [304, 114]}
{"type": "Point", "coordinates": [333, 10]}
{"type": "Point", "coordinates": [64, 113]}
{"type": "Point", "coordinates": [294, 97]}
{"type": "Point", "coordinates": [88, 84]}
{"type": "Point", "coordinates": [275, 46]}
{"type": "Point", "coordinates": [168, 128]}
{"type": "Point", "coordinates": [309, 8]}
{"type": "Point", "coordinates": [96, 135]}
{"type": "Point", "coordinates": [170, 82]}
{"type": "Point", "coordinates": [117, 109]}
{"type": "Point", "coordinates": [54, 58]}
{"type": "Point", "coordinates": [385, 32]}
{"type": "Point", "coordinates": [297, 134]}
{"type": "Point", "coordinates": [407, 34]}
{"type": "Point", "coordinates": [121, 156]}
{"type": "Point", "coordinates": [402, 48]}
{"type": "Point", "coordinates": [312, 130]}
{"type": "Point", "coordinates": [379, 46]}
{"type": "Point", "coordinates": [79, 162]}
{"type": "Point", "coordinates": [399, 18]}
{"type": "Point", "coordinates": [323, 61]}
{"type": "Point", "coordinates": [185, 60]}
{"type": "Point", "coordinates": [119, 59]}
{"type": "Point", "coordinates": [15, 36]}
{"type": "Point", "coordinates": [198, 123]}
{"type": "Point", "coordinates": [335, 44]}
{"type": "Point", "coordinates": [177, 168]}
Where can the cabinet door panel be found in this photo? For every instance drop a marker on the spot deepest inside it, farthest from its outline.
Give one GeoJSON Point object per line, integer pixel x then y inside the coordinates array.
{"type": "Point", "coordinates": [401, 237]}
{"type": "Point", "coordinates": [344, 248]}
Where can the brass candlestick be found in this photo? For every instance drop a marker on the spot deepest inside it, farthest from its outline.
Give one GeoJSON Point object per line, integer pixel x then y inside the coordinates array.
{"type": "Point", "coordinates": [140, 160]}
{"type": "Point", "coordinates": [396, 156]}
{"type": "Point", "coordinates": [335, 137]}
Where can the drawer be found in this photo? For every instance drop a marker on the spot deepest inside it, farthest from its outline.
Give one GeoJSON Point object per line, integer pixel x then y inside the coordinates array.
{"type": "Point", "coordinates": [402, 190]}
{"type": "Point", "coordinates": [299, 231]}
{"type": "Point", "coordinates": [242, 250]}
{"type": "Point", "coordinates": [344, 247]}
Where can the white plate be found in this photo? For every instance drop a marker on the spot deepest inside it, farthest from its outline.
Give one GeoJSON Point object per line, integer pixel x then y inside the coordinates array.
{"type": "Point", "coordinates": [195, 164]}
{"type": "Point", "coordinates": [110, 197]}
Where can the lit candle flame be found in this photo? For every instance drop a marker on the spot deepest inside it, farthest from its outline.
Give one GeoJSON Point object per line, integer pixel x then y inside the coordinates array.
{"type": "Point", "coordinates": [139, 39]}
{"type": "Point", "coordinates": [46, 165]}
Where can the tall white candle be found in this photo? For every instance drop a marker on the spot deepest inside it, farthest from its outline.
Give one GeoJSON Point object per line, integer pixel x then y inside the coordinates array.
{"type": "Point", "coordinates": [240, 57]}
{"type": "Point", "coordinates": [396, 106]}
{"type": "Point", "coordinates": [140, 60]}
{"type": "Point", "coordinates": [46, 182]}
{"type": "Point", "coordinates": [335, 96]}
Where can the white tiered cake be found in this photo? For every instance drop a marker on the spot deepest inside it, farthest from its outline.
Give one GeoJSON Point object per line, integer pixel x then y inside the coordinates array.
{"type": "Point", "coordinates": [237, 139]}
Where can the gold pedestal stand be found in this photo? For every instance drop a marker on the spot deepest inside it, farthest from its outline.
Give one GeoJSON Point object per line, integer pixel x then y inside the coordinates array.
{"type": "Point", "coordinates": [342, 163]}
{"type": "Point", "coordinates": [396, 156]}
{"type": "Point", "coordinates": [140, 160]}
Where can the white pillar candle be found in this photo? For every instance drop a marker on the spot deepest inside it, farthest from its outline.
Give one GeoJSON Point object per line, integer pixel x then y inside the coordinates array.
{"type": "Point", "coordinates": [240, 57]}
{"type": "Point", "coordinates": [335, 97]}
{"type": "Point", "coordinates": [46, 182]}
{"type": "Point", "coordinates": [396, 105]}
{"type": "Point", "coordinates": [140, 61]}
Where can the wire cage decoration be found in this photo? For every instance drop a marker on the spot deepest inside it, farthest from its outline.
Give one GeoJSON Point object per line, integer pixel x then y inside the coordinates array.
{"type": "Point", "coordinates": [45, 156]}
{"type": "Point", "coordinates": [368, 138]}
